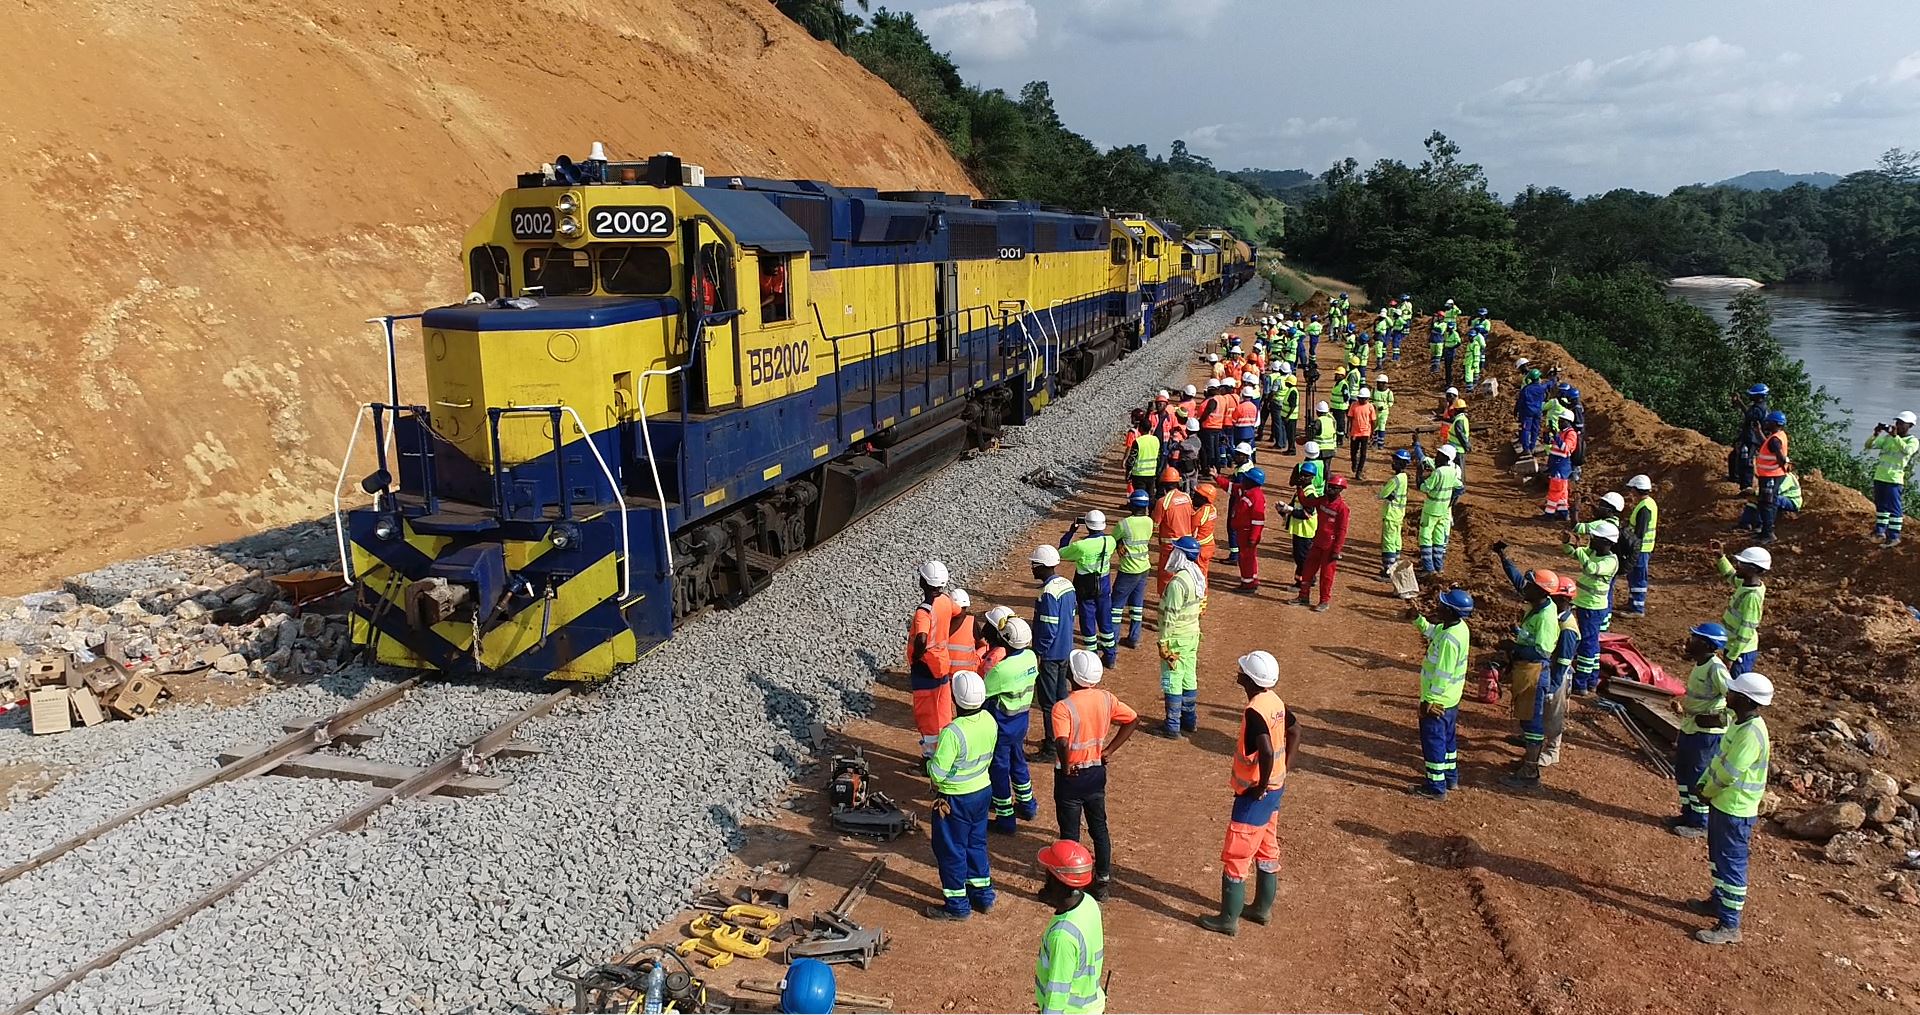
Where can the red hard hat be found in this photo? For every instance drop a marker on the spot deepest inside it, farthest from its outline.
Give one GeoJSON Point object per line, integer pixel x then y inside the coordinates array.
{"type": "Point", "coordinates": [1337, 482]}
{"type": "Point", "coordinates": [1567, 587]}
{"type": "Point", "coordinates": [1070, 862]}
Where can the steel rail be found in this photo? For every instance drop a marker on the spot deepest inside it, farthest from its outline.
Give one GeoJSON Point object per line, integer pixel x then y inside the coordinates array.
{"type": "Point", "coordinates": [429, 779]}
{"type": "Point", "coordinates": [301, 741]}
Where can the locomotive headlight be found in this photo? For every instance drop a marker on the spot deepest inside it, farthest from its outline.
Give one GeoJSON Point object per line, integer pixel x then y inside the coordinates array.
{"type": "Point", "coordinates": [563, 536]}
{"type": "Point", "coordinates": [569, 227]}
{"type": "Point", "coordinates": [387, 528]}
{"type": "Point", "coordinates": [568, 204]}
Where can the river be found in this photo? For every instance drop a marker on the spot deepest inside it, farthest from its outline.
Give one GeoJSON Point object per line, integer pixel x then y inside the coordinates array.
{"type": "Point", "coordinates": [1866, 354]}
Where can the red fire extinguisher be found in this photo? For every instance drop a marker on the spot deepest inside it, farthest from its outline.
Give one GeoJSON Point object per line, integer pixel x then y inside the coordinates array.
{"type": "Point", "coordinates": [1490, 682]}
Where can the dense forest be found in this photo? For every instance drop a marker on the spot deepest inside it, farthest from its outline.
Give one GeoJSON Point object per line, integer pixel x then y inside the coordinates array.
{"type": "Point", "coordinates": [1016, 147]}
{"type": "Point", "coordinates": [1588, 274]}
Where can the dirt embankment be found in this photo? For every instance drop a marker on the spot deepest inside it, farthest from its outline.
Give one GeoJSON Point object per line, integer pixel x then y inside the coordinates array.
{"type": "Point", "coordinates": [1838, 638]}
{"type": "Point", "coordinates": [207, 199]}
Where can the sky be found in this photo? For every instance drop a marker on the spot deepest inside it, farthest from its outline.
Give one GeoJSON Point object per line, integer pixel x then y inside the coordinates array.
{"type": "Point", "coordinates": [1585, 96]}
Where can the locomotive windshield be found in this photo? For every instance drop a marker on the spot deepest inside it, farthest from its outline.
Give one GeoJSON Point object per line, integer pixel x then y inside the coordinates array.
{"type": "Point", "coordinates": [618, 269]}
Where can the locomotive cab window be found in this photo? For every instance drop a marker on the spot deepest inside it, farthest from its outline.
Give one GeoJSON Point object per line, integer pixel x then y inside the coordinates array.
{"type": "Point", "coordinates": [1153, 247]}
{"type": "Point", "coordinates": [710, 287]}
{"type": "Point", "coordinates": [558, 271]}
{"type": "Point", "coordinates": [1186, 259]}
{"type": "Point", "coordinates": [631, 269]}
{"type": "Point", "coordinates": [775, 304]}
{"type": "Point", "coordinates": [492, 271]}
{"type": "Point", "coordinates": [1120, 251]}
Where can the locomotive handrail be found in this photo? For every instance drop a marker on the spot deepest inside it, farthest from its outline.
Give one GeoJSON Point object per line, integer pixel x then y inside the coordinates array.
{"type": "Point", "coordinates": [340, 485]}
{"type": "Point", "coordinates": [653, 464]}
{"type": "Point", "coordinates": [566, 496]}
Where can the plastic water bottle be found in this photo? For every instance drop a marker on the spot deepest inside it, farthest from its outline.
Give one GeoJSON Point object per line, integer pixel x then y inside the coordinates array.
{"type": "Point", "coordinates": [656, 996]}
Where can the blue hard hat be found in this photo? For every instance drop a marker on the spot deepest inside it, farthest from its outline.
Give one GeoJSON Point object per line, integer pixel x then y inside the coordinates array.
{"type": "Point", "coordinates": [1257, 476]}
{"type": "Point", "coordinates": [1483, 311]}
{"type": "Point", "coordinates": [1139, 499]}
{"type": "Point", "coordinates": [1458, 600]}
{"type": "Point", "coordinates": [1403, 455]}
{"type": "Point", "coordinates": [1316, 317]}
{"type": "Point", "coordinates": [1757, 390]}
{"type": "Point", "coordinates": [808, 988]}
{"type": "Point", "coordinates": [1777, 418]}
{"type": "Point", "coordinates": [1343, 296]}
{"type": "Point", "coordinates": [1188, 545]}
{"type": "Point", "coordinates": [1406, 296]}
{"type": "Point", "coordinates": [1712, 632]}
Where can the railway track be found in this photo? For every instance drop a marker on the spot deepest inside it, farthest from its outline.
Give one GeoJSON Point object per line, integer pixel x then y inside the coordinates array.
{"type": "Point", "coordinates": [444, 769]}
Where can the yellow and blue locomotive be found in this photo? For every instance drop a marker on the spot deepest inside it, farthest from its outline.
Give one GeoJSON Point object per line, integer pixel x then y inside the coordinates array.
{"type": "Point", "coordinates": [663, 386]}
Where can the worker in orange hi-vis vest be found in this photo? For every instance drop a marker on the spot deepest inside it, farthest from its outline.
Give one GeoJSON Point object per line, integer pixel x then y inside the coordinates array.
{"type": "Point", "coordinates": [1172, 518]}
{"type": "Point", "coordinates": [1268, 736]}
{"type": "Point", "coordinates": [929, 655]}
{"type": "Point", "coordinates": [1206, 519]}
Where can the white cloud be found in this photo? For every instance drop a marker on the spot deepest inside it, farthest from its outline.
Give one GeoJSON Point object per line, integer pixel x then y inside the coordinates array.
{"type": "Point", "coordinates": [1138, 20]}
{"type": "Point", "coordinates": [1707, 104]}
{"type": "Point", "coordinates": [1295, 142]}
{"type": "Point", "coordinates": [983, 31]}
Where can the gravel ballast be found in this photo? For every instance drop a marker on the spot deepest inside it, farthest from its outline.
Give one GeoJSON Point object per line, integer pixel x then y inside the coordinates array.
{"type": "Point", "coordinates": [643, 790]}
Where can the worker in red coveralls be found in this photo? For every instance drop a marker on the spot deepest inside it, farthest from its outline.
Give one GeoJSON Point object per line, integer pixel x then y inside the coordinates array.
{"type": "Point", "coordinates": [1329, 541]}
{"type": "Point", "coordinates": [1249, 524]}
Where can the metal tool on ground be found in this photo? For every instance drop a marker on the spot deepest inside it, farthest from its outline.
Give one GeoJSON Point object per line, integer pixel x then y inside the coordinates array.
{"type": "Point", "coordinates": [618, 986]}
{"type": "Point", "coordinates": [739, 914]}
{"type": "Point", "coordinates": [835, 937]}
{"type": "Point", "coordinates": [1656, 756]}
{"type": "Point", "coordinates": [775, 885]}
{"type": "Point", "coordinates": [858, 808]}
{"type": "Point", "coordinates": [721, 942]}
{"type": "Point", "coordinates": [841, 998]}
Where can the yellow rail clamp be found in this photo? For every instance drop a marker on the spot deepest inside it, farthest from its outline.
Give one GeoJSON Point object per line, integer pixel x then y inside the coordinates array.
{"type": "Point", "coordinates": [716, 956]}
{"type": "Point", "coordinates": [751, 916]}
{"type": "Point", "coordinates": [737, 940]}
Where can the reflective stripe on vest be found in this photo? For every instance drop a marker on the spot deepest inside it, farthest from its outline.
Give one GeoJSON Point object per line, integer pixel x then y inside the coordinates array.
{"type": "Point", "coordinates": [967, 768]}
{"type": "Point", "coordinates": [1135, 533]}
{"type": "Point", "coordinates": [1766, 462]}
{"type": "Point", "coordinates": [1087, 733]}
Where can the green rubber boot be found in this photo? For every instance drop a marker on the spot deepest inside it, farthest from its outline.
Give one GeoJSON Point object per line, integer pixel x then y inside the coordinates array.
{"type": "Point", "coordinates": [1266, 888]}
{"type": "Point", "coordinates": [1233, 898]}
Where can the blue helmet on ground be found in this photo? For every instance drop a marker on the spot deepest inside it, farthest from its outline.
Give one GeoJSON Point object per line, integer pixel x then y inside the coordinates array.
{"type": "Point", "coordinates": [1403, 455]}
{"type": "Point", "coordinates": [1777, 418]}
{"type": "Point", "coordinates": [808, 988]}
{"type": "Point", "coordinates": [1712, 632]}
{"type": "Point", "coordinates": [1757, 391]}
{"type": "Point", "coordinates": [1189, 546]}
{"type": "Point", "coordinates": [1257, 476]}
{"type": "Point", "coordinates": [1139, 499]}
{"type": "Point", "coordinates": [1458, 600]}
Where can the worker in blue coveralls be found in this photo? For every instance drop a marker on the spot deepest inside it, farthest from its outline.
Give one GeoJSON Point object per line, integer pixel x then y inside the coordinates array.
{"type": "Point", "coordinates": [1736, 779]}
{"type": "Point", "coordinates": [1703, 714]}
{"type": "Point", "coordinates": [1092, 560]}
{"type": "Point", "coordinates": [962, 798]}
{"type": "Point", "coordinates": [1053, 614]}
{"type": "Point", "coordinates": [1010, 687]}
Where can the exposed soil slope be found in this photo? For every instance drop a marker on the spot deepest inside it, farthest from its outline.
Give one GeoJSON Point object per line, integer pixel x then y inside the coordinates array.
{"type": "Point", "coordinates": [206, 199]}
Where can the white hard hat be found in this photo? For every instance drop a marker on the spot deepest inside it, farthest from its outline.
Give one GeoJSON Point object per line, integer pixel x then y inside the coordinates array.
{"type": "Point", "coordinates": [1193, 424]}
{"type": "Point", "coordinates": [969, 691]}
{"type": "Point", "coordinates": [1085, 667]}
{"type": "Point", "coordinates": [1213, 357]}
{"type": "Point", "coordinates": [1614, 501]}
{"type": "Point", "coordinates": [1753, 685]}
{"type": "Point", "coordinates": [1364, 393]}
{"type": "Point", "coordinates": [1243, 448]}
{"type": "Point", "coordinates": [1641, 483]}
{"type": "Point", "coordinates": [1320, 407]}
{"type": "Point", "coordinates": [1045, 556]}
{"type": "Point", "coordinates": [1313, 449]}
{"type": "Point", "coordinates": [1191, 391]}
{"type": "Point", "coordinates": [1756, 556]}
{"type": "Point", "coordinates": [998, 616]}
{"type": "Point", "coordinates": [1522, 361]}
{"type": "Point", "coordinates": [1164, 393]}
{"type": "Point", "coordinates": [1449, 452]}
{"type": "Point", "coordinates": [934, 574]}
{"type": "Point", "coordinates": [1382, 379]}
{"type": "Point", "coordinates": [1286, 369]}
{"type": "Point", "coordinates": [1018, 633]}
{"type": "Point", "coordinates": [960, 598]}
{"type": "Point", "coordinates": [1251, 391]}
{"type": "Point", "coordinates": [1261, 668]}
{"type": "Point", "coordinates": [1603, 530]}
{"type": "Point", "coordinates": [1906, 417]}
{"type": "Point", "coordinates": [1096, 520]}
{"type": "Point", "coordinates": [1453, 391]}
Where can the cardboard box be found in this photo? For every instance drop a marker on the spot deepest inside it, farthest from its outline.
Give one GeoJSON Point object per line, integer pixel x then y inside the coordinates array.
{"type": "Point", "coordinates": [86, 707]}
{"type": "Point", "coordinates": [47, 670]}
{"type": "Point", "coordinates": [51, 711]}
{"type": "Point", "coordinates": [136, 697]}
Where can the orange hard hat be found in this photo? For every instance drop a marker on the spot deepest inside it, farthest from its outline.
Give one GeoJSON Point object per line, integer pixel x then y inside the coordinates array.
{"type": "Point", "coordinates": [1567, 587]}
{"type": "Point", "coordinates": [1070, 862]}
{"type": "Point", "coordinates": [1169, 475]}
{"type": "Point", "coordinates": [1546, 581]}
{"type": "Point", "coordinates": [1204, 491]}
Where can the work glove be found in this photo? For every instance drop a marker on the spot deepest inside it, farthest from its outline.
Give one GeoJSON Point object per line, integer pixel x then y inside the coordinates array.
{"type": "Point", "coordinates": [1432, 709]}
{"type": "Point", "coordinates": [941, 807]}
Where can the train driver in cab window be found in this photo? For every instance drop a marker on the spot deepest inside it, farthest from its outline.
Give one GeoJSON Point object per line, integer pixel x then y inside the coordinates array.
{"type": "Point", "coordinates": [773, 289]}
